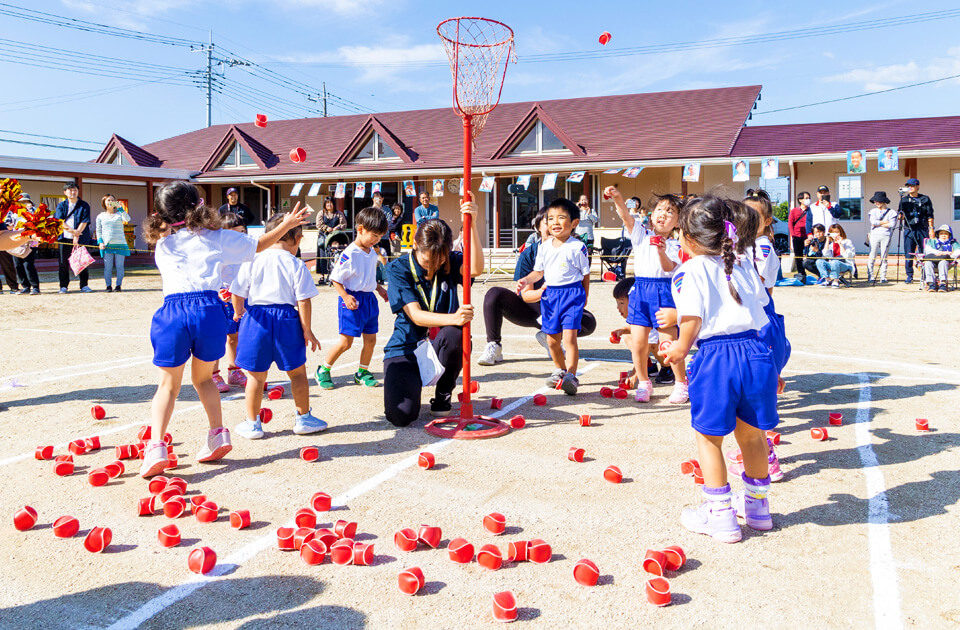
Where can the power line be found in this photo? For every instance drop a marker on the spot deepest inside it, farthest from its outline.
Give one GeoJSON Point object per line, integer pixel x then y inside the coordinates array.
{"type": "Point", "coordinates": [37, 135]}
{"type": "Point", "coordinates": [51, 146]}
{"type": "Point", "coordinates": [850, 98]}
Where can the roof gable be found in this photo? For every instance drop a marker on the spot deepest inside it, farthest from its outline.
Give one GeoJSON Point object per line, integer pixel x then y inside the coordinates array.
{"type": "Point", "coordinates": [263, 156]}
{"type": "Point", "coordinates": [370, 125]}
{"type": "Point", "coordinates": [523, 127]}
{"type": "Point", "coordinates": [135, 155]}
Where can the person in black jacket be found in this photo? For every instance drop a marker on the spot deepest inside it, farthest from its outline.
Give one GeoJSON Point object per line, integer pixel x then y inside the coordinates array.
{"type": "Point", "coordinates": [233, 205]}
{"type": "Point", "coordinates": [500, 302]}
{"type": "Point", "coordinates": [75, 214]}
{"type": "Point", "coordinates": [916, 213]}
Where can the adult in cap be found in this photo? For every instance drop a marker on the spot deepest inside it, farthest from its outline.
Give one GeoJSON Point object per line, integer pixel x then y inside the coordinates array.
{"type": "Point", "coordinates": [823, 212]}
{"type": "Point", "coordinates": [233, 205]}
{"type": "Point", "coordinates": [916, 212]}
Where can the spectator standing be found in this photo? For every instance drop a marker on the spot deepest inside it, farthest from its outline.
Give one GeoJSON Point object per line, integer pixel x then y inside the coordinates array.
{"type": "Point", "coordinates": [8, 266]}
{"type": "Point", "coordinates": [822, 212]}
{"type": "Point", "coordinates": [883, 220]}
{"type": "Point", "coordinates": [426, 210]}
{"type": "Point", "coordinates": [588, 219]}
{"type": "Point", "coordinates": [26, 267]}
{"type": "Point", "coordinates": [916, 212]}
{"type": "Point", "coordinates": [111, 239]}
{"type": "Point", "coordinates": [75, 214]}
{"type": "Point", "coordinates": [395, 229]}
{"type": "Point", "coordinates": [797, 224]}
{"type": "Point", "coordinates": [378, 204]}
{"type": "Point", "coordinates": [233, 205]}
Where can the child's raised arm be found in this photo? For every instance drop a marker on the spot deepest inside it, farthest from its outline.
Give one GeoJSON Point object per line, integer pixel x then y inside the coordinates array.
{"type": "Point", "coordinates": [295, 218]}
{"type": "Point", "coordinates": [622, 211]}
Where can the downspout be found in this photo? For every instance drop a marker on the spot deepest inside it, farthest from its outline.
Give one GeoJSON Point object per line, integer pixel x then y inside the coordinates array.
{"type": "Point", "coordinates": [268, 194]}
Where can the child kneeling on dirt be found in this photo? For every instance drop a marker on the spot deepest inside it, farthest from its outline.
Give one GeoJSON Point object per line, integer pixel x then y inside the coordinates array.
{"type": "Point", "coordinates": [275, 328]}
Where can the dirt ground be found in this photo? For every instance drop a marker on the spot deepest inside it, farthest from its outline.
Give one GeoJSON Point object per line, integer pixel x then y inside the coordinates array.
{"type": "Point", "coordinates": [882, 356]}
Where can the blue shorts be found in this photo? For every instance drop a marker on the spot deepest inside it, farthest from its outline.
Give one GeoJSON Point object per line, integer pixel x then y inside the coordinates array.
{"type": "Point", "coordinates": [775, 336]}
{"type": "Point", "coordinates": [271, 334]}
{"type": "Point", "coordinates": [646, 297]}
{"type": "Point", "coordinates": [732, 376]}
{"type": "Point", "coordinates": [232, 326]}
{"type": "Point", "coordinates": [365, 320]}
{"type": "Point", "coordinates": [561, 308]}
{"type": "Point", "coordinates": [188, 324]}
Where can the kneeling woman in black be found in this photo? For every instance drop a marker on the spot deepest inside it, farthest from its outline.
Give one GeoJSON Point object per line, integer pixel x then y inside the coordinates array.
{"type": "Point", "coordinates": [422, 290]}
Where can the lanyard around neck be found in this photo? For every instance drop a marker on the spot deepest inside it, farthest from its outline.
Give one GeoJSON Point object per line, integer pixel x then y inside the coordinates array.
{"type": "Point", "coordinates": [432, 304]}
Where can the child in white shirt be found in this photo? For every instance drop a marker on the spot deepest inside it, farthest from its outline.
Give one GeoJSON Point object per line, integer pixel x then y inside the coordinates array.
{"type": "Point", "coordinates": [275, 327]}
{"type": "Point", "coordinates": [355, 279]}
{"type": "Point", "coordinates": [190, 252]}
{"type": "Point", "coordinates": [563, 265]}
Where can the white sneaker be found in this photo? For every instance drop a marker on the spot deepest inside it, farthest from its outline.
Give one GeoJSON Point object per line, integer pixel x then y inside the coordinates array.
{"type": "Point", "coordinates": [679, 395]}
{"type": "Point", "coordinates": [250, 429]}
{"type": "Point", "coordinates": [154, 459]}
{"type": "Point", "coordinates": [554, 379]}
{"type": "Point", "coordinates": [217, 446]}
{"type": "Point", "coordinates": [492, 354]}
{"type": "Point", "coordinates": [307, 424]}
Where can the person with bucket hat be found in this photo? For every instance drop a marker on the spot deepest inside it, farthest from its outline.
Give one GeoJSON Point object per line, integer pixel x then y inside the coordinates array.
{"type": "Point", "coordinates": [916, 212]}
{"type": "Point", "coordinates": [883, 220]}
{"type": "Point", "coordinates": [942, 251]}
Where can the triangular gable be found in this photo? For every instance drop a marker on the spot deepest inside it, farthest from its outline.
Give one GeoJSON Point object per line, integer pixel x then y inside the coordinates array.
{"type": "Point", "coordinates": [263, 156]}
{"type": "Point", "coordinates": [134, 155]}
{"type": "Point", "coordinates": [370, 125]}
{"type": "Point", "coordinates": [519, 132]}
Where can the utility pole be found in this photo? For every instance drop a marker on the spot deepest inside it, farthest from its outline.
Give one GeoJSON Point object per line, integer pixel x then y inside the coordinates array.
{"type": "Point", "coordinates": [324, 85]}
{"type": "Point", "coordinates": [225, 63]}
{"type": "Point", "coordinates": [320, 98]}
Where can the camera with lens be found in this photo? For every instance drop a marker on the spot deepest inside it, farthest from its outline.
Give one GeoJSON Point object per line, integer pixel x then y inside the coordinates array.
{"type": "Point", "coordinates": [904, 191]}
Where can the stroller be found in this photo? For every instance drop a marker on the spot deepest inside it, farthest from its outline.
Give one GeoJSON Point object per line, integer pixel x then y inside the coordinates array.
{"type": "Point", "coordinates": [614, 254]}
{"type": "Point", "coordinates": [328, 249]}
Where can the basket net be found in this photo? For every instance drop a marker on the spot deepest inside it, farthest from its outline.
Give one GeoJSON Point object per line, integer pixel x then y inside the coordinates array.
{"type": "Point", "coordinates": [479, 50]}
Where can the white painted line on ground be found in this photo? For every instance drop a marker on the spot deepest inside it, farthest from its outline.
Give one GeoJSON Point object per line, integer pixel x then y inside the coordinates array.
{"type": "Point", "coordinates": [73, 368]}
{"type": "Point", "coordinates": [899, 364]}
{"type": "Point", "coordinates": [925, 379]}
{"type": "Point", "coordinates": [163, 601]}
{"type": "Point", "coordinates": [883, 570]}
{"type": "Point", "coordinates": [81, 332]}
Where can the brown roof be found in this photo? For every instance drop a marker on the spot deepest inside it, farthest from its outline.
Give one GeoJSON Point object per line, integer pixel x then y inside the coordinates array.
{"type": "Point", "coordinates": [661, 125]}
{"type": "Point", "coordinates": [839, 137]}
{"type": "Point", "coordinates": [135, 155]}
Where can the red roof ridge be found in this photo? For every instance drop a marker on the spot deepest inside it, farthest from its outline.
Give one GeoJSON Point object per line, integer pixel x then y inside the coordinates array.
{"type": "Point", "coordinates": [135, 154]}
{"type": "Point", "coordinates": [263, 156]}
{"type": "Point", "coordinates": [371, 123]}
{"type": "Point", "coordinates": [535, 113]}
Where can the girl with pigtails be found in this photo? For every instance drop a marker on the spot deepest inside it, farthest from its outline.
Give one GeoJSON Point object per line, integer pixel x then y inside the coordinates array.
{"type": "Point", "coordinates": [733, 378]}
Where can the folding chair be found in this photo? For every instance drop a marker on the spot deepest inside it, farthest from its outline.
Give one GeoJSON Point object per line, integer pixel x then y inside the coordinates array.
{"type": "Point", "coordinates": [614, 253]}
{"type": "Point", "coordinates": [512, 258]}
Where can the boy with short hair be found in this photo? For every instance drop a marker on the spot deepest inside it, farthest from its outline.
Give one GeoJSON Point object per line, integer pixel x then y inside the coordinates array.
{"type": "Point", "coordinates": [355, 279]}
{"type": "Point", "coordinates": [563, 265]}
{"type": "Point", "coordinates": [275, 327]}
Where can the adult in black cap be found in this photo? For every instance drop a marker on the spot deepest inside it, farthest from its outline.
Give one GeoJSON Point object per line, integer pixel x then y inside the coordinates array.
{"type": "Point", "coordinates": [882, 222]}
{"type": "Point", "coordinates": [823, 212]}
{"type": "Point", "coordinates": [916, 212]}
{"type": "Point", "coordinates": [233, 205]}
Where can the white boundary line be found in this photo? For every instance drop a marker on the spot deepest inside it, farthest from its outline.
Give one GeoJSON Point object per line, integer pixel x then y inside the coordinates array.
{"type": "Point", "coordinates": [883, 570]}
{"type": "Point", "coordinates": [163, 601]}
{"type": "Point", "coordinates": [74, 367]}
{"type": "Point", "coordinates": [81, 332]}
{"type": "Point", "coordinates": [899, 364]}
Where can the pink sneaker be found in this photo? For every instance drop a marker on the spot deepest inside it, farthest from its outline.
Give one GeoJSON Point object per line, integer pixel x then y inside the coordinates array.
{"type": "Point", "coordinates": [236, 377]}
{"type": "Point", "coordinates": [217, 446]}
{"type": "Point", "coordinates": [643, 391]}
{"type": "Point", "coordinates": [773, 466]}
{"type": "Point", "coordinates": [679, 395]}
{"type": "Point", "coordinates": [713, 519]}
{"type": "Point", "coordinates": [222, 387]}
{"type": "Point", "coordinates": [154, 459]}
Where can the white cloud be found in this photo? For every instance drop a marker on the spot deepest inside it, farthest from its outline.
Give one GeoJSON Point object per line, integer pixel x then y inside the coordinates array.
{"type": "Point", "coordinates": [131, 15]}
{"type": "Point", "coordinates": [884, 77]}
{"type": "Point", "coordinates": [343, 7]}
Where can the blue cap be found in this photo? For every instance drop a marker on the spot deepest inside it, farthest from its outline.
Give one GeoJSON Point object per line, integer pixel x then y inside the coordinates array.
{"type": "Point", "coordinates": [913, 181]}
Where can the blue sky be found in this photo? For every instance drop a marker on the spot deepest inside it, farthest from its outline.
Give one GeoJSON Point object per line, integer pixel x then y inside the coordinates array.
{"type": "Point", "coordinates": [348, 42]}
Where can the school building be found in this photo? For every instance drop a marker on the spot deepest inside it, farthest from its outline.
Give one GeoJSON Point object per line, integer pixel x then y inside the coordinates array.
{"type": "Point", "coordinates": [572, 140]}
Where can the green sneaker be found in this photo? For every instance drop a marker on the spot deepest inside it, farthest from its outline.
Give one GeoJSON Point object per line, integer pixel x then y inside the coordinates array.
{"type": "Point", "coordinates": [364, 377]}
{"type": "Point", "coordinates": [324, 379]}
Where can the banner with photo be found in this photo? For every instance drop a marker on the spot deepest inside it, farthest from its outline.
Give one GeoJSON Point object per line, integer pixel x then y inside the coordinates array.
{"type": "Point", "coordinates": [691, 172]}
{"type": "Point", "coordinates": [295, 191]}
{"type": "Point", "coordinates": [375, 188]}
{"type": "Point", "coordinates": [438, 188]}
{"type": "Point", "coordinates": [770, 168]}
{"type": "Point", "coordinates": [612, 171]}
{"type": "Point", "coordinates": [550, 181]}
{"type": "Point", "coordinates": [360, 190]}
{"type": "Point", "coordinates": [409, 188]}
{"type": "Point", "coordinates": [741, 171]}
{"type": "Point", "coordinates": [889, 158]}
{"type": "Point", "coordinates": [524, 180]}
{"type": "Point", "coordinates": [341, 190]}
{"type": "Point", "coordinates": [576, 177]}
{"type": "Point", "coordinates": [314, 190]}
{"type": "Point", "coordinates": [632, 172]}
{"type": "Point", "coordinates": [856, 162]}
{"type": "Point", "coordinates": [486, 184]}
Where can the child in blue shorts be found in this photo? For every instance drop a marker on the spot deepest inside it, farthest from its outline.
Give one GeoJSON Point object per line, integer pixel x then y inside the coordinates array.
{"type": "Point", "coordinates": [732, 379]}
{"type": "Point", "coordinates": [275, 327]}
{"type": "Point", "coordinates": [230, 221]}
{"type": "Point", "coordinates": [563, 265]}
{"type": "Point", "coordinates": [355, 279]}
{"type": "Point", "coordinates": [656, 255]}
{"type": "Point", "coordinates": [191, 250]}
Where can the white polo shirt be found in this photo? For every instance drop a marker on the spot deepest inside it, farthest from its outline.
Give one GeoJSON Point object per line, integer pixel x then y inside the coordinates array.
{"type": "Point", "coordinates": [274, 277]}
{"type": "Point", "coordinates": [356, 269]}
{"type": "Point", "coordinates": [564, 263]}
{"type": "Point", "coordinates": [700, 290]}
{"type": "Point", "coordinates": [646, 257]}
{"type": "Point", "coordinates": [192, 261]}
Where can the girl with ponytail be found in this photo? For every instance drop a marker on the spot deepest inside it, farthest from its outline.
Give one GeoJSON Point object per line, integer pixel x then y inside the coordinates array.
{"type": "Point", "coordinates": [732, 379]}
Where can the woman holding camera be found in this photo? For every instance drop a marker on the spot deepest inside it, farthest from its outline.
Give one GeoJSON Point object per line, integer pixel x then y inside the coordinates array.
{"type": "Point", "coordinates": [111, 239]}
{"type": "Point", "coordinates": [837, 257]}
{"type": "Point", "coordinates": [588, 218]}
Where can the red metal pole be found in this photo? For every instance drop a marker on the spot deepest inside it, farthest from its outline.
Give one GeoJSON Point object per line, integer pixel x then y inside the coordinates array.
{"type": "Point", "coordinates": [466, 406]}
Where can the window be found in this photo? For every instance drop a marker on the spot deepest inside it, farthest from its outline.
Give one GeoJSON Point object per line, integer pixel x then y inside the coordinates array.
{"type": "Point", "coordinates": [116, 158]}
{"type": "Point", "coordinates": [956, 196]}
{"type": "Point", "coordinates": [375, 150]}
{"type": "Point", "coordinates": [850, 198]}
{"type": "Point", "coordinates": [540, 139]}
{"type": "Point", "coordinates": [237, 157]}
